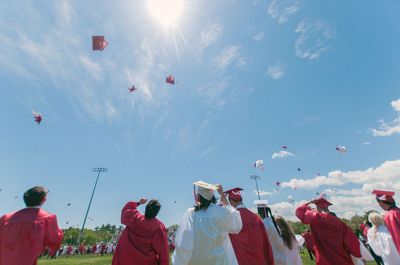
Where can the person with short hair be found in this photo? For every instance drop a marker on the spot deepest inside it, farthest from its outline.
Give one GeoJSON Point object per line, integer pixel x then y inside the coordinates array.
{"type": "Point", "coordinates": [380, 240]}
{"type": "Point", "coordinates": [335, 243]}
{"type": "Point", "coordinates": [24, 234]}
{"type": "Point", "coordinates": [251, 245]}
{"type": "Point", "coordinates": [144, 240]}
{"type": "Point", "coordinates": [203, 234]}
{"type": "Point", "coordinates": [392, 216]}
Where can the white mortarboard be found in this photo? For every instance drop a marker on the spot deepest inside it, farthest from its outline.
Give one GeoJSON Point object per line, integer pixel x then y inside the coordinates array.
{"type": "Point", "coordinates": [205, 189]}
{"type": "Point", "coordinates": [261, 203]}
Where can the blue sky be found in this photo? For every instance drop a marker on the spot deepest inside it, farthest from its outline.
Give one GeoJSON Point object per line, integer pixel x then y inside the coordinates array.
{"type": "Point", "coordinates": [251, 76]}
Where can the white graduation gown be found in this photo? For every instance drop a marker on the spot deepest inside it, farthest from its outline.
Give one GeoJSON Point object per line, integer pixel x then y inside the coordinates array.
{"type": "Point", "coordinates": [293, 256]}
{"type": "Point", "coordinates": [382, 244]}
{"type": "Point", "coordinates": [278, 247]}
{"type": "Point", "coordinates": [203, 236]}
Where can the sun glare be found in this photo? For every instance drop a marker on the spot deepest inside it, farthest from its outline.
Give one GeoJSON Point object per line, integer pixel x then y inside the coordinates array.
{"type": "Point", "coordinates": [166, 12]}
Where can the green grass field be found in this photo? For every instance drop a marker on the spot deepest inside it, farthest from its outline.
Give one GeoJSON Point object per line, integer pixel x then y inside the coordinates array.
{"type": "Point", "coordinates": [106, 260]}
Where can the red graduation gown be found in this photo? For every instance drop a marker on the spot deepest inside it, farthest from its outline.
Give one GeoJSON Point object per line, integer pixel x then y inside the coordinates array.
{"type": "Point", "coordinates": [392, 221]}
{"type": "Point", "coordinates": [333, 240]}
{"type": "Point", "coordinates": [251, 245]}
{"type": "Point", "coordinates": [143, 242]}
{"type": "Point", "coordinates": [309, 240]}
{"type": "Point", "coordinates": [25, 234]}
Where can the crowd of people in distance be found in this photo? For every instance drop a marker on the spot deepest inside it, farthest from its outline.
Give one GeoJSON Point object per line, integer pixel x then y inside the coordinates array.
{"type": "Point", "coordinates": [213, 233]}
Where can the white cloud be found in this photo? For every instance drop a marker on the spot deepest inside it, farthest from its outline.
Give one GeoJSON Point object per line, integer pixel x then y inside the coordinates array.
{"type": "Point", "coordinates": [229, 56]}
{"type": "Point", "coordinates": [386, 175]}
{"type": "Point", "coordinates": [282, 10]}
{"type": "Point", "coordinates": [366, 143]}
{"type": "Point", "coordinates": [313, 39]}
{"type": "Point", "coordinates": [210, 35]}
{"type": "Point", "coordinates": [276, 72]}
{"type": "Point", "coordinates": [263, 193]}
{"type": "Point", "coordinates": [306, 120]}
{"type": "Point", "coordinates": [393, 127]}
{"type": "Point", "coordinates": [282, 154]}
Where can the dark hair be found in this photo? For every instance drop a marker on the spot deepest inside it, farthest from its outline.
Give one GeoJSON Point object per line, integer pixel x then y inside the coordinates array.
{"type": "Point", "coordinates": [204, 203]}
{"type": "Point", "coordinates": [391, 204]}
{"type": "Point", "coordinates": [34, 196]}
{"type": "Point", "coordinates": [152, 209]}
{"type": "Point", "coordinates": [287, 232]}
{"type": "Point", "coordinates": [266, 211]}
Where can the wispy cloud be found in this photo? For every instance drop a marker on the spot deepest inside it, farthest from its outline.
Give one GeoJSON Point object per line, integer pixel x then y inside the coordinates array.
{"type": "Point", "coordinates": [210, 35]}
{"type": "Point", "coordinates": [306, 120]}
{"type": "Point", "coordinates": [91, 66]}
{"type": "Point", "coordinates": [229, 56]}
{"type": "Point", "coordinates": [263, 193]}
{"type": "Point", "coordinates": [313, 39]}
{"type": "Point", "coordinates": [366, 143]}
{"type": "Point", "coordinates": [276, 71]}
{"type": "Point", "coordinates": [259, 35]}
{"type": "Point", "coordinates": [282, 154]}
{"type": "Point", "coordinates": [282, 10]}
{"type": "Point", "coordinates": [393, 127]}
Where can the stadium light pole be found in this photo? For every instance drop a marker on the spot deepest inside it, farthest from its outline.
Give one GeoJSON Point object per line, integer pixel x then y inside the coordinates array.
{"type": "Point", "coordinates": [98, 170]}
{"type": "Point", "coordinates": [255, 177]}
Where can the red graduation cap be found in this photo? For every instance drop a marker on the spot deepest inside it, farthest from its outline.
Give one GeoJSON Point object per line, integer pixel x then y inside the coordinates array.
{"type": "Point", "coordinates": [321, 202]}
{"type": "Point", "coordinates": [170, 80]}
{"type": "Point", "coordinates": [99, 43]}
{"type": "Point", "coordinates": [383, 195]}
{"type": "Point", "coordinates": [234, 194]}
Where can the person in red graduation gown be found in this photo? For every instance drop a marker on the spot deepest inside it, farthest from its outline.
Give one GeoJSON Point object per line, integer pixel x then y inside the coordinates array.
{"type": "Point", "coordinates": [309, 243]}
{"type": "Point", "coordinates": [392, 216]}
{"type": "Point", "coordinates": [251, 245]}
{"type": "Point", "coordinates": [333, 240]}
{"type": "Point", "coordinates": [26, 233]}
{"type": "Point", "coordinates": [144, 240]}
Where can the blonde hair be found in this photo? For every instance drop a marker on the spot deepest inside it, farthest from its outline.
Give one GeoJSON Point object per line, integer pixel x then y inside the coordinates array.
{"type": "Point", "coordinates": [376, 220]}
{"type": "Point", "coordinates": [286, 231]}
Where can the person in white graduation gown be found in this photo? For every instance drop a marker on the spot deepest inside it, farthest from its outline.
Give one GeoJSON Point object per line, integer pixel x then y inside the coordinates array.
{"type": "Point", "coordinates": [380, 240]}
{"type": "Point", "coordinates": [278, 247]}
{"type": "Point", "coordinates": [290, 241]}
{"type": "Point", "coordinates": [203, 234]}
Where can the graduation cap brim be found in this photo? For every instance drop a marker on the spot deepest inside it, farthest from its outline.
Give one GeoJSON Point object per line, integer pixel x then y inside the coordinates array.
{"type": "Point", "coordinates": [261, 203]}
{"type": "Point", "coordinates": [322, 202]}
{"type": "Point", "coordinates": [383, 192]}
{"type": "Point", "coordinates": [234, 190]}
{"type": "Point", "coordinates": [205, 185]}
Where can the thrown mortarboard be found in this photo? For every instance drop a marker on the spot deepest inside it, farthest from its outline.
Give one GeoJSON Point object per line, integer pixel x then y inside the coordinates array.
{"type": "Point", "coordinates": [99, 43]}
{"type": "Point", "coordinates": [170, 80]}
{"type": "Point", "coordinates": [321, 202]}
{"type": "Point", "coordinates": [205, 189]}
{"type": "Point", "coordinates": [383, 195]}
{"type": "Point", "coordinates": [234, 194]}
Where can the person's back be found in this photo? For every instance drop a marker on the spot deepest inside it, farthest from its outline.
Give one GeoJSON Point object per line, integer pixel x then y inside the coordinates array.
{"type": "Point", "coordinates": [203, 234]}
{"type": "Point", "coordinates": [381, 241]}
{"type": "Point", "coordinates": [26, 233]}
{"type": "Point", "coordinates": [144, 240]}
{"type": "Point", "coordinates": [252, 245]}
{"type": "Point", "coordinates": [333, 240]}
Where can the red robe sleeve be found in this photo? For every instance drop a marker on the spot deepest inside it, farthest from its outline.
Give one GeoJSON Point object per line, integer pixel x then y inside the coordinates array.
{"type": "Point", "coordinates": [130, 215]}
{"type": "Point", "coordinates": [269, 256]}
{"type": "Point", "coordinates": [53, 234]}
{"type": "Point", "coordinates": [392, 221]}
{"type": "Point", "coordinates": [160, 245]}
{"type": "Point", "coordinates": [306, 214]}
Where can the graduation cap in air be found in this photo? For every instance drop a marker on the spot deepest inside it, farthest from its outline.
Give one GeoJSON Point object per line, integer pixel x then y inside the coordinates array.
{"type": "Point", "coordinates": [234, 194]}
{"type": "Point", "coordinates": [205, 189]}
{"type": "Point", "coordinates": [382, 195]}
{"type": "Point", "coordinates": [321, 202]}
{"type": "Point", "coordinates": [170, 80]}
{"type": "Point", "coordinates": [99, 43]}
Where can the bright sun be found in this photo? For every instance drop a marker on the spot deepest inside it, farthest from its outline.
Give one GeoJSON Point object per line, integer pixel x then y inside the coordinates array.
{"type": "Point", "coordinates": [166, 12]}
